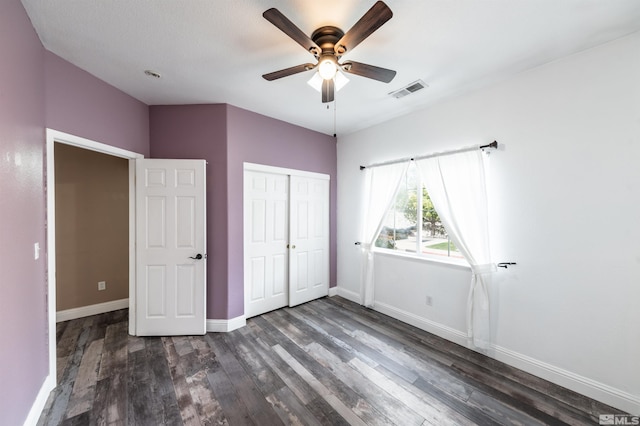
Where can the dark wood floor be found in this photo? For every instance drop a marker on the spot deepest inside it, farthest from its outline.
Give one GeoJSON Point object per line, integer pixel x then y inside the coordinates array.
{"type": "Point", "coordinates": [327, 362]}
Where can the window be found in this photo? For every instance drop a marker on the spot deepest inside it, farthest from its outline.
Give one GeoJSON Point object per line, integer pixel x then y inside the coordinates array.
{"type": "Point", "coordinates": [412, 224]}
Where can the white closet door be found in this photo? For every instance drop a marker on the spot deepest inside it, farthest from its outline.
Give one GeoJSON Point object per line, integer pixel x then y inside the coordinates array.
{"type": "Point", "coordinates": [286, 238]}
{"type": "Point", "coordinates": [309, 239]}
{"type": "Point", "coordinates": [266, 228]}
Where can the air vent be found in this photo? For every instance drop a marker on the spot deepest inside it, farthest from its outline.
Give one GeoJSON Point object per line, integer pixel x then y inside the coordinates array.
{"type": "Point", "coordinates": [409, 89]}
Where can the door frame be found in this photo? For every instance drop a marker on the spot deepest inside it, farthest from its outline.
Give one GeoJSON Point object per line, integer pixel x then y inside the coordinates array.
{"type": "Point", "coordinates": [255, 167]}
{"type": "Point", "coordinates": [52, 137]}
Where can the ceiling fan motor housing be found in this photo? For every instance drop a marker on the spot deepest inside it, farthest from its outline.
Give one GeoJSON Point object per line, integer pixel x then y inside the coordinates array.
{"type": "Point", "coordinates": [326, 38]}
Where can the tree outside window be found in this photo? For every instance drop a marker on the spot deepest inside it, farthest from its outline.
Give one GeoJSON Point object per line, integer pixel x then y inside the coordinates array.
{"type": "Point", "coordinates": [400, 230]}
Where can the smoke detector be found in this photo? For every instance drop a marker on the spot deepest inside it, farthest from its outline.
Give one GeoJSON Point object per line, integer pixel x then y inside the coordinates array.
{"type": "Point", "coordinates": [152, 73]}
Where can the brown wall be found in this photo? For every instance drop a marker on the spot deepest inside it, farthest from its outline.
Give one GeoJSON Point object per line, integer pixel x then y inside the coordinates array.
{"type": "Point", "coordinates": [92, 227]}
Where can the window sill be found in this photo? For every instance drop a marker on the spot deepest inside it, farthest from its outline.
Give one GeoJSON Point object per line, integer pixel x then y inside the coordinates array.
{"type": "Point", "coordinates": [457, 263]}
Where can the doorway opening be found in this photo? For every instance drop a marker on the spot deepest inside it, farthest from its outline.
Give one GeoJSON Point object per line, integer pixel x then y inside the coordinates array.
{"type": "Point", "coordinates": [92, 235]}
{"type": "Point", "coordinates": [54, 137]}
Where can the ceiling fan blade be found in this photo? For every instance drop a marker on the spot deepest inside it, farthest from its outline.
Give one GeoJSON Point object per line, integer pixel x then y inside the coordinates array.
{"type": "Point", "coordinates": [327, 91]}
{"type": "Point", "coordinates": [369, 71]}
{"type": "Point", "coordinates": [288, 71]}
{"type": "Point", "coordinates": [274, 16]}
{"type": "Point", "coordinates": [370, 21]}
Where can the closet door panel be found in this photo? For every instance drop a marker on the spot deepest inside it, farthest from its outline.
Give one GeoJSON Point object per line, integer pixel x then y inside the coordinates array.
{"type": "Point", "coordinates": [266, 236]}
{"type": "Point", "coordinates": [309, 239]}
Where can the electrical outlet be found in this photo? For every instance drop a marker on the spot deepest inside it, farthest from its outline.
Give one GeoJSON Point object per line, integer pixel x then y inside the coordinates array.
{"type": "Point", "coordinates": [429, 301]}
{"type": "Point", "coordinates": [102, 285]}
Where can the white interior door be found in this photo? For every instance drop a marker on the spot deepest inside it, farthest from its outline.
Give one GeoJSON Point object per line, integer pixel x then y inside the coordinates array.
{"type": "Point", "coordinates": [170, 247]}
{"type": "Point", "coordinates": [266, 235]}
{"type": "Point", "coordinates": [309, 239]}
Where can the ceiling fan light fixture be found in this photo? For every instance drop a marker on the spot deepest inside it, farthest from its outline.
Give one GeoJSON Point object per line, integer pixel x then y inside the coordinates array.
{"type": "Point", "coordinates": [340, 80]}
{"type": "Point", "coordinates": [315, 81]}
{"type": "Point", "coordinates": [328, 67]}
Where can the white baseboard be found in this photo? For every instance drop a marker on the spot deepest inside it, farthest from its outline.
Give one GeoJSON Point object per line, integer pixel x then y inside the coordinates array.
{"type": "Point", "coordinates": [577, 383]}
{"type": "Point", "coordinates": [40, 401]}
{"type": "Point", "coordinates": [85, 311]}
{"type": "Point", "coordinates": [349, 295]}
{"type": "Point", "coordinates": [333, 291]}
{"type": "Point", "coordinates": [583, 385]}
{"type": "Point", "coordinates": [223, 326]}
{"type": "Point", "coordinates": [432, 327]}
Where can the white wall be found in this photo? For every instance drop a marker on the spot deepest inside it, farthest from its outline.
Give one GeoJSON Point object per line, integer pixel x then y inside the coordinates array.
{"type": "Point", "coordinates": [564, 204]}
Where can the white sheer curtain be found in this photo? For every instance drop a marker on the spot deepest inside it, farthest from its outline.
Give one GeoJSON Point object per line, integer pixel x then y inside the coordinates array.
{"type": "Point", "coordinates": [381, 186]}
{"type": "Point", "coordinates": [456, 185]}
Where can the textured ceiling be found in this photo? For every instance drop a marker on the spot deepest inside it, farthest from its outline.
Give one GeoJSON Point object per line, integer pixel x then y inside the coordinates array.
{"type": "Point", "coordinates": [216, 51]}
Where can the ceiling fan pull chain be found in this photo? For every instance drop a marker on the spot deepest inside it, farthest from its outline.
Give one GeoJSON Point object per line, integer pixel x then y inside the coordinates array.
{"type": "Point", "coordinates": [335, 115]}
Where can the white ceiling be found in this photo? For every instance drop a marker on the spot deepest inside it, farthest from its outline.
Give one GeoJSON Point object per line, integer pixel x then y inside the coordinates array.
{"type": "Point", "coordinates": [215, 51]}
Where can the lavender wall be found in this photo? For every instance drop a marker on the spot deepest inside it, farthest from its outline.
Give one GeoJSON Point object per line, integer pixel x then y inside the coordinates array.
{"type": "Point", "coordinates": [255, 138]}
{"type": "Point", "coordinates": [80, 104]}
{"type": "Point", "coordinates": [23, 322]}
{"type": "Point", "coordinates": [38, 90]}
{"type": "Point", "coordinates": [200, 132]}
{"type": "Point", "coordinates": [226, 137]}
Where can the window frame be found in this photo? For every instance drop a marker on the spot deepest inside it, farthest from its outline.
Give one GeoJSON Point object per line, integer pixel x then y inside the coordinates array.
{"type": "Point", "coordinates": [417, 254]}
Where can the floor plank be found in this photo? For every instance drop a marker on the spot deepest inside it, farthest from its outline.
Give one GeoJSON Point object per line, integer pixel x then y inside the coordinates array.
{"type": "Point", "coordinates": [84, 386]}
{"type": "Point", "coordinates": [327, 362]}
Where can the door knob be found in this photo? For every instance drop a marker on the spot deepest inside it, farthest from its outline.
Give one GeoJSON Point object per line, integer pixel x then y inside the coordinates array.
{"type": "Point", "coordinates": [197, 257]}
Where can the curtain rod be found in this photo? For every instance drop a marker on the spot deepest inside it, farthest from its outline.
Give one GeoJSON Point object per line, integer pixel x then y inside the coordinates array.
{"type": "Point", "coordinates": [493, 145]}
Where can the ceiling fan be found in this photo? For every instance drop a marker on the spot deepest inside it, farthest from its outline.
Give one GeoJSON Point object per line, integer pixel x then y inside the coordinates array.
{"type": "Point", "coordinates": [327, 44]}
